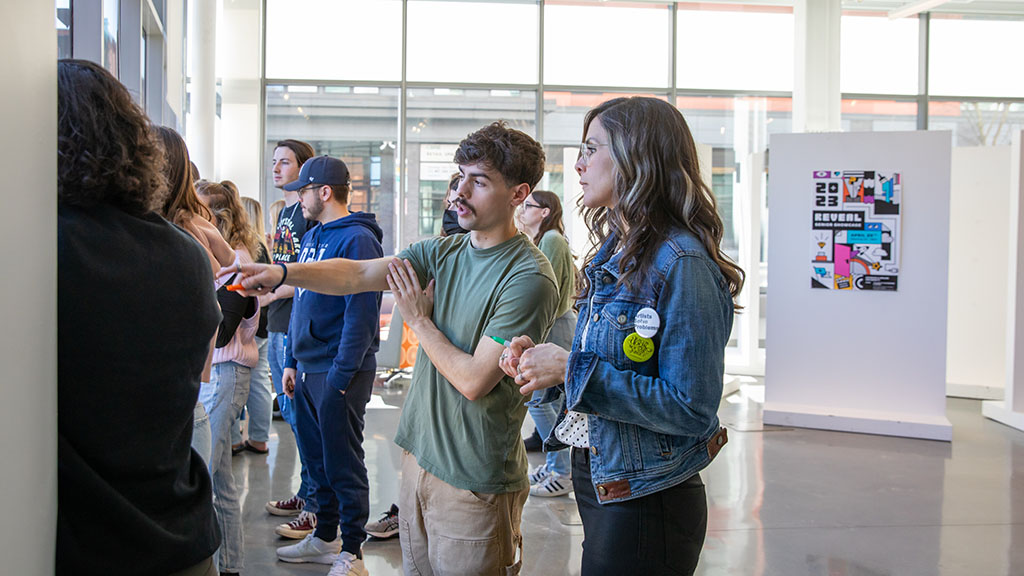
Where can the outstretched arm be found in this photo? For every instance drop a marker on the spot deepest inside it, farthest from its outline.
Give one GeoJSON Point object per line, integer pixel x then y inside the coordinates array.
{"type": "Point", "coordinates": [336, 276]}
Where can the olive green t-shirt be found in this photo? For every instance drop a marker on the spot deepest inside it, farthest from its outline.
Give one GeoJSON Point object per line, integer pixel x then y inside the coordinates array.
{"type": "Point", "coordinates": [556, 248]}
{"type": "Point", "coordinates": [507, 290]}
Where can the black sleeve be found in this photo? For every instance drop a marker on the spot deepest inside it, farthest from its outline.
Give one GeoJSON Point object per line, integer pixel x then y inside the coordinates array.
{"type": "Point", "coordinates": [233, 307]}
{"type": "Point", "coordinates": [263, 257]}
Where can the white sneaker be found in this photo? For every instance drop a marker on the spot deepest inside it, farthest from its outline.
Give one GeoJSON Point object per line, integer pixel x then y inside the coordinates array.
{"type": "Point", "coordinates": [552, 485]}
{"type": "Point", "coordinates": [348, 565]}
{"type": "Point", "coordinates": [311, 549]}
{"type": "Point", "coordinates": [538, 474]}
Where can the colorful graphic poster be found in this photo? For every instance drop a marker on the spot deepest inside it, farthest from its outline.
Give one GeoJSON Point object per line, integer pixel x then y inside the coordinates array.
{"type": "Point", "coordinates": [855, 230]}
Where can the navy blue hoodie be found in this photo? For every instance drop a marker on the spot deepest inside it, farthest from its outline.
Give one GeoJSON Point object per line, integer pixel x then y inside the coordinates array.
{"type": "Point", "coordinates": [339, 335]}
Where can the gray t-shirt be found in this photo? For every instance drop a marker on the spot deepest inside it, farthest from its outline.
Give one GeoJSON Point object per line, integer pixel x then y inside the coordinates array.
{"type": "Point", "coordinates": [506, 290]}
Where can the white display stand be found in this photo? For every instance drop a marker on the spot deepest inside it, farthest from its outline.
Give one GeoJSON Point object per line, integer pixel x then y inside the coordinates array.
{"type": "Point", "coordinates": [1010, 410]}
{"type": "Point", "coordinates": [978, 252]}
{"type": "Point", "coordinates": [872, 362]}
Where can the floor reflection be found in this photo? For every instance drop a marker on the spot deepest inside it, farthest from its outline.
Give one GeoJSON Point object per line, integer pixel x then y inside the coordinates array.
{"type": "Point", "coordinates": [781, 501]}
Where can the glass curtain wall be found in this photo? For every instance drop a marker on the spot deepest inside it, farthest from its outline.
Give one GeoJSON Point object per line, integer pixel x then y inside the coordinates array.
{"type": "Point", "coordinates": [358, 124]}
{"type": "Point", "coordinates": [978, 97]}
{"type": "Point", "coordinates": [878, 72]}
{"type": "Point", "coordinates": [396, 116]}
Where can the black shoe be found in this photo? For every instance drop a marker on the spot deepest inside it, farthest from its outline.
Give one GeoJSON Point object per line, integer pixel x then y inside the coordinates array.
{"type": "Point", "coordinates": [534, 443]}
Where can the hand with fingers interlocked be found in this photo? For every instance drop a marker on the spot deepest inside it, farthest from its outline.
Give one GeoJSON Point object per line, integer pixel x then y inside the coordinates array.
{"type": "Point", "coordinates": [415, 304]}
{"type": "Point", "coordinates": [533, 366]}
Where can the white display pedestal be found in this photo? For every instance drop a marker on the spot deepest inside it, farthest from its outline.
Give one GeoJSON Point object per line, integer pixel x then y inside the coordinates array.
{"type": "Point", "coordinates": [859, 361]}
{"type": "Point", "coordinates": [1010, 410]}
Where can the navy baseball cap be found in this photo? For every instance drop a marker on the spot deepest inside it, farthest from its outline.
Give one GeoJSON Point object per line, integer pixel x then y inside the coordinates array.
{"type": "Point", "coordinates": [322, 170]}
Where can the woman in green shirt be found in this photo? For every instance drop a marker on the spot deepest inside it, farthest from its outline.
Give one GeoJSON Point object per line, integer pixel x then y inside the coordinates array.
{"type": "Point", "coordinates": [540, 217]}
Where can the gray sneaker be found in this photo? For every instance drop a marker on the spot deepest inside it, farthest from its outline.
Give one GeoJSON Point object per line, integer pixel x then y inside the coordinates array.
{"type": "Point", "coordinates": [311, 549]}
{"type": "Point", "coordinates": [386, 527]}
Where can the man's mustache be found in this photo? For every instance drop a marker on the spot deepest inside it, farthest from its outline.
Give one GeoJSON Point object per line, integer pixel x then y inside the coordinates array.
{"type": "Point", "coordinates": [464, 204]}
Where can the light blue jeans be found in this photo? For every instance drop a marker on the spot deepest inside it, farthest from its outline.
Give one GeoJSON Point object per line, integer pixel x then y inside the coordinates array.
{"type": "Point", "coordinates": [545, 415]}
{"type": "Point", "coordinates": [260, 400]}
{"type": "Point", "coordinates": [201, 431]}
{"type": "Point", "coordinates": [275, 355]}
{"type": "Point", "coordinates": [223, 398]}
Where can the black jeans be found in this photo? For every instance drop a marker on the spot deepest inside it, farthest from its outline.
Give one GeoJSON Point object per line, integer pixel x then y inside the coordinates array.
{"type": "Point", "coordinates": [661, 533]}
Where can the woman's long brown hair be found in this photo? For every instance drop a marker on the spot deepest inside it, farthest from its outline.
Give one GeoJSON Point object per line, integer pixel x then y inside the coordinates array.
{"type": "Point", "coordinates": [657, 187]}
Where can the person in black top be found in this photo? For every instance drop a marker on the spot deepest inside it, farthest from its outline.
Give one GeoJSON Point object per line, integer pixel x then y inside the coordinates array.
{"type": "Point", "coordinates": [136, 311]}
{"type": "Point", "coordinates": [291, 225]}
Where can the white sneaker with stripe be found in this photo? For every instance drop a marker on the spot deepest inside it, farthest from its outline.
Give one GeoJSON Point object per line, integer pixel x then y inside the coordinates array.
{"type": "Point", "coordinates": [552, 485]}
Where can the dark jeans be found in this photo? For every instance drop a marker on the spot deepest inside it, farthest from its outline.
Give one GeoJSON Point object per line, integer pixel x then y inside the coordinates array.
{"type": "Point", "coordinates": [661, 533]}
{"type": "Point", "coordinates": [330, 435]}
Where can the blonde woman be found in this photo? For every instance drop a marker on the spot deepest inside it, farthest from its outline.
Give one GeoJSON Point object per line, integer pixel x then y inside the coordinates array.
{"type": "Point", "coordinates": [260, 396]}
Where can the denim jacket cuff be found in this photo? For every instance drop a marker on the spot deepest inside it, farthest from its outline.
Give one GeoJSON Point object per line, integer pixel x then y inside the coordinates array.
{"type": "Point", "coordinates": [550, 395]}
{"type": "Point", "coordinates": [581, 367]}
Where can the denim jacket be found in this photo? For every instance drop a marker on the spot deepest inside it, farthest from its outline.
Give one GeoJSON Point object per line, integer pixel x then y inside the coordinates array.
{"type": "Point", "coordinates": [652, 424]}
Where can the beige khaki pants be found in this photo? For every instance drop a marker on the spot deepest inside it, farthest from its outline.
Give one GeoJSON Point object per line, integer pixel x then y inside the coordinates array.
{"type": "Point", "coordinates": [446, 531]}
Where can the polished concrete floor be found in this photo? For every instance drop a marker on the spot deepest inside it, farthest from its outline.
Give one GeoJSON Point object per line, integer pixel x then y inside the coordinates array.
{"type": "Point", "coordinates": [782, 501]}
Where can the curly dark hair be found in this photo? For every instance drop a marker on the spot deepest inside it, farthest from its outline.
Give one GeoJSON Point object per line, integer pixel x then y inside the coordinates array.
{"type": "Point", "coordinates": [107, 151]}
{"type": "Point", "coordinates": [513, 153]}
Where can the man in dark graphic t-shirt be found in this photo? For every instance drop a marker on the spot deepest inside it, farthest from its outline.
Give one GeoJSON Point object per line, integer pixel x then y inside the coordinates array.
{"type": "Point", "coordinates": [289, 155]}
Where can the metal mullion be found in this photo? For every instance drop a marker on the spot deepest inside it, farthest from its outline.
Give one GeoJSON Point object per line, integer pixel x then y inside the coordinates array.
{"type": "Point", "coordinates": [400, 190]}
{"type": "Point", "coordinates": [924, 30]}
{"type": "Point", "coordinates": [732, 93]}
{"type": "Point", "coordinates": [870, 96]}
{"type": "Point", "coordinates": [1009, 99]}
{"type": "Point", "coordinates": [622, 89]}
{"type": "Point", "coordinates": [673, 14]}
{"type": "Point", "coordinates": [263, 103]}
{"type": "Point", "coordinates": [471, 85]}
{"type": "Point", "coordinates": [343, 83]}
{"type": "Point", "coordinates": [539, 99]}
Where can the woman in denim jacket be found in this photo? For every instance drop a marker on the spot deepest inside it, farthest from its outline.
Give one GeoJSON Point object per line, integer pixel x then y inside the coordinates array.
{"type": "Point", "coordinates": [643, 380]}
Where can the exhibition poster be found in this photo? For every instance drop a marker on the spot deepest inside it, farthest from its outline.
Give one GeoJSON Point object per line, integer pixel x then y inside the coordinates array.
{"type": "Point", "coordinates": [855, 230]}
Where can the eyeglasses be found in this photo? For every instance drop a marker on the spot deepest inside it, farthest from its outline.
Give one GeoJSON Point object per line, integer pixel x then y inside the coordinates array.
{"type": "Point", "coordinates": [587, 150]}
{"type": "Point", "coordinates": [527, 205]}
{"type": "Point", "coordinates": [310, 187]}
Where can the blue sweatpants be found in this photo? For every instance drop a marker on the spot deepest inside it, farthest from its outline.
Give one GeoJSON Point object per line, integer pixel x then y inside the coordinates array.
{"type": "Point", "coordinates": [330, 435]}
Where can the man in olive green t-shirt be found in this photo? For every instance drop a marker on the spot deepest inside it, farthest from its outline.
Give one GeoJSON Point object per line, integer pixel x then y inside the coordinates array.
{"type": "Point", "coordinates": [464, 473]}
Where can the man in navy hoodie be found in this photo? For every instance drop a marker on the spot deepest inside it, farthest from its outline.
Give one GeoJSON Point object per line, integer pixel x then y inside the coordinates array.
{"type": "Point", "coordinates": [330, 364]}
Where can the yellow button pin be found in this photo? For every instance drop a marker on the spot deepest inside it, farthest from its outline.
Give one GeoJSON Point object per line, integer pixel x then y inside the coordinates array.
{"type": "Point", "coordinates": [638, 348]}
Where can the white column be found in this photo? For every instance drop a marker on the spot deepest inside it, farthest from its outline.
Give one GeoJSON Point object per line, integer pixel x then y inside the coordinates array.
{"type": "Point", "coordinates": [174, 28]}
{"type": "Point", "coordinates": [1010, 411]}
{"type": "Point", "coordinates": [239, 150]}
{"type": "Point", "coordinates": [28, 293]}
{"type": "Point", "coordinates": [201, 127]}
{"type": "Point", "coordinates": [816, 95]}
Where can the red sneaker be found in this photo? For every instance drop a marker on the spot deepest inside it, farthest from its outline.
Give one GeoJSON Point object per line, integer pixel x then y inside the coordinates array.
{"type": "Point", "coordinates": [289, 507]}
{"type": "Point", "coordinates": [299, 528]}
